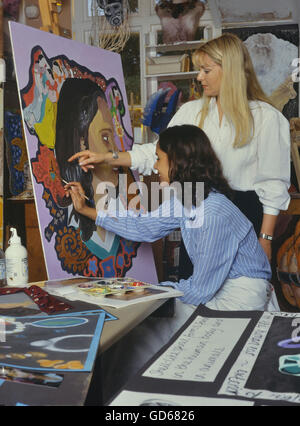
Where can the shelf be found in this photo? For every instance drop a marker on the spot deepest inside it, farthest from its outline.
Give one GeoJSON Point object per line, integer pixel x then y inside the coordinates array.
{"type": "Point", "coordinates": [20, 200]}
{"type": "Point", "coordinates": [174, 76]}
{"type": "Point", "coordinates": [187, 45]}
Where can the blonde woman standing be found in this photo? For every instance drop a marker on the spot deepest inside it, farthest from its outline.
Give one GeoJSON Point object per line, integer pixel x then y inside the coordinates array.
{"type": "Point", "coordinates": [250, 137]}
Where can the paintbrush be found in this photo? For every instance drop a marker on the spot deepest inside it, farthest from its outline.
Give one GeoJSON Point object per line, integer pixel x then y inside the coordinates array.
{"type": "Point", "coordinates": [67, 183]}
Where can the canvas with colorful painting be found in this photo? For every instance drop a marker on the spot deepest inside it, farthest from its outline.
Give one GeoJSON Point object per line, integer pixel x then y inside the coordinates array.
{"type": "Point", "coordinates": [73, 97]}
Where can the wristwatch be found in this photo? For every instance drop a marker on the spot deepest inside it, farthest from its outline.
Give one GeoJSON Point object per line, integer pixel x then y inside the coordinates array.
{"type": "Point", "coordinates": [115, 155]}
{"type": "Point", "coordinates": [266, 237]}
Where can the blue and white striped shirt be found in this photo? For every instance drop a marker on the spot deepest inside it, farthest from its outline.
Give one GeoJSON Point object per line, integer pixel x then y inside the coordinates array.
{"type": "Point", "coordinates": [223, 245]}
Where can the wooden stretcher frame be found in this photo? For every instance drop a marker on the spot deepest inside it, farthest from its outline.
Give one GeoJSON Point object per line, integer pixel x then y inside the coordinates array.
{"type": "Point", "coordinates": [49, 15]}
{"type": "Point", "coordinates": [295, 145]}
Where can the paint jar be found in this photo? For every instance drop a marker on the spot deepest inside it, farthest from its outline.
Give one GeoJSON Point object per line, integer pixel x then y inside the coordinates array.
{"type": "Point", "coordinates": [16, 262]}
{"type": "Point", "coordinates": [2, 269]}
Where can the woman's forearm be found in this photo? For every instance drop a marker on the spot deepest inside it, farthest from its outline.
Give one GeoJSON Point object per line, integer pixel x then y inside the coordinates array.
{"type": "Point", "coordinates": [268, 224]}
{"type": "Point", "coordinates": [89, 212]}
{"type": "Point", "coordinates": [268, 228]}
{"type": "Point", "coordinates": [124, 159]}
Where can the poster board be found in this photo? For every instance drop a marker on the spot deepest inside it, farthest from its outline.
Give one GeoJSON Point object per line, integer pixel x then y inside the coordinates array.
{"type": "Point", "coordinates": [54, 75]}
{"type": "Point", "coordinates": [58, 343]}
{"type": "Point", "coordinates": [242, 357]}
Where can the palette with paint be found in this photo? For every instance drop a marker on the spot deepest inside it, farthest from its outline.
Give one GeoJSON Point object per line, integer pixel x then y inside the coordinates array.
{"type": "Point", "coordinates": [110, 286]}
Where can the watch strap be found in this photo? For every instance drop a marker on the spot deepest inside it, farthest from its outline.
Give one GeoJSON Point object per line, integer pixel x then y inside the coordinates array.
{"type": "Point", "coordinates": [266, 237]}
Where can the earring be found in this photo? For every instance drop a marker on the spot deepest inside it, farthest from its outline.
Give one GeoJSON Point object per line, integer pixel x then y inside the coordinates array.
{"type": "Point", "coordinates": [82, 144]}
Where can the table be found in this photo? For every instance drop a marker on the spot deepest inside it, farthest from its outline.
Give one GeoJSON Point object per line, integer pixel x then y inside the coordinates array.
{"type": "Point", "coordinates": [129, 318]}
{"type": "Point", "coordinates": [78, 389]}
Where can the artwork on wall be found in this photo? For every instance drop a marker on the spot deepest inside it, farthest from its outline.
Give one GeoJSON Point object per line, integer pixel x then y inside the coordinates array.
{"type": "Point", "coordinates": [16, 153]}
{"type": "Point", "coordinates": [286, 262]}
{"type": "Point", "coordinates": [73, 98]}
{"type": "Point", "coordinates": [1, 136]}
{"type": "Point", "coordinates": [1, 222]}
{"type": "Point", "coordinates": [1, 163]}
{"type": "Point", "coordinates": [272, 50]}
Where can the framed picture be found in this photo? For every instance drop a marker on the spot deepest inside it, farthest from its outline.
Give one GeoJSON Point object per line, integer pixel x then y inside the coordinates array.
{"type": "Point", "coordinates": [272, 50]}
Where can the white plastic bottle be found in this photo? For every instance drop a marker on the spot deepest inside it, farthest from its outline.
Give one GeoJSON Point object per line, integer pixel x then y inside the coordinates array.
{"type": "Point", "coordinates": [16, 262]}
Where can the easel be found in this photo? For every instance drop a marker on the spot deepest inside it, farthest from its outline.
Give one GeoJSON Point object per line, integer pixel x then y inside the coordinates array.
{"type": "Point", "coordinates": [2, 80]}
{"type": "Point", "coordinates": [49, 15]}
{"type": "Point", "coordinates": [38, 272]}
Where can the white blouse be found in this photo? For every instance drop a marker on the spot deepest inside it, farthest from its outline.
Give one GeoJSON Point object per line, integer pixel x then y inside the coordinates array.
{"type": "Point", "coordinates": [263, 165]}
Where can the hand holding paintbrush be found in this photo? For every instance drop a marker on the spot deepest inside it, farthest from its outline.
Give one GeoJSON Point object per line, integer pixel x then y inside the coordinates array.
{"type": "Point", "coordinates": [68, 185]}
{"type": "Point", "coordinates": [76, 192]}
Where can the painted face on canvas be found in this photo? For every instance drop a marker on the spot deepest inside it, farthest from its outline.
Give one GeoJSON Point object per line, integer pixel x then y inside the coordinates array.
{"type": "Point", "coordinates": [101, 130]}
{"type": "Point", "coordinates": [210, 76]}
{"type": "Point", "coordinates": [101, 139]}
{"type": "Point", "coordinates": [56, 130]}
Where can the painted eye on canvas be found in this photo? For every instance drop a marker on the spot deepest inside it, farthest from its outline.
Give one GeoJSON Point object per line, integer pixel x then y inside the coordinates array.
{"type": "Point", "coordinates": [106, 140]}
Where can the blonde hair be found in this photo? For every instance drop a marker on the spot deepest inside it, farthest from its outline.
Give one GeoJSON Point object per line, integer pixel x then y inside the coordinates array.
{"type": "Point", "coordinates": [239, 84]}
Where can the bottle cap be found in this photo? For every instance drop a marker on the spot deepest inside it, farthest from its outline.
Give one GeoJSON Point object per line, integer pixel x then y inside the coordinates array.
{"type": "Point", "coordinates": [14, 239]}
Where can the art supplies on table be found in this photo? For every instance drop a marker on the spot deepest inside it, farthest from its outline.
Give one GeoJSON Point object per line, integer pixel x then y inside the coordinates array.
{"type": "Point", "coordinates": [36, 300]}
{"type": "Point", "coordinates": [16, 261]}
{"type": "Point", "coordinates": [46, 303]}
{"type": "Point", "coordinates": [109, 287]}
{"type": "Point", "coordinates": [113, 292]}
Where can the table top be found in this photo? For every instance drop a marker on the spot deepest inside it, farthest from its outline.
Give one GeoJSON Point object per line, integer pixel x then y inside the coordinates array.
{"type": "Point", "coordinates": [74, 389]}
{"type": "Point", "coordinates": [128, 318]}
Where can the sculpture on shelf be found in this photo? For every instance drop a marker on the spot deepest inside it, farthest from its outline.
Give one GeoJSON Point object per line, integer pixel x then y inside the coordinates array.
{"type": "Point", "coordinates": [113, 10]}
{"type": "Point", "coordinates": [110, 27]}
{"type": "Point", "coordinates": [11, 8]}
{"type": "Point", "coordinates": [179, 19]}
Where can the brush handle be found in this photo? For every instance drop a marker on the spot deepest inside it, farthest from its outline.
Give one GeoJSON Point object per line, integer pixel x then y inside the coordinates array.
{"type": "Point", "coordinates": [80, 193]}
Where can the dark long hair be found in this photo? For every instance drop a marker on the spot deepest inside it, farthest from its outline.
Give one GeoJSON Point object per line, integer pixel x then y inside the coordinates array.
{"type": "Point", "coordinates": [77, 107]}
{"type": "Point", "coordinates": [192, 159]}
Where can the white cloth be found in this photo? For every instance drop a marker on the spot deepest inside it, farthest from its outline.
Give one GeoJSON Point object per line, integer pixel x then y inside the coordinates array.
{"type": "Point", "coordinates": [263, 165]}
{"type": "Point", "coordinates": [245, 294]}
{"type": "Point", "coordinates": [143, 158]}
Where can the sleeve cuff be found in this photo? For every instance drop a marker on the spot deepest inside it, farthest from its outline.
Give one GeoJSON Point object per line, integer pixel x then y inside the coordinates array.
{"type": "Point", "coordinates": [271, 211]}
{"type": "Point", "coordinates": [143, 158]}
{"type": "Point", "coordinates": [101, 215]}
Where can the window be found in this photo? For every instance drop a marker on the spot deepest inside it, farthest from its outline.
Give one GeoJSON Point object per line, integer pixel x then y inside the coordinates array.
{"type": "Point", "coordinates": [131, 67]}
